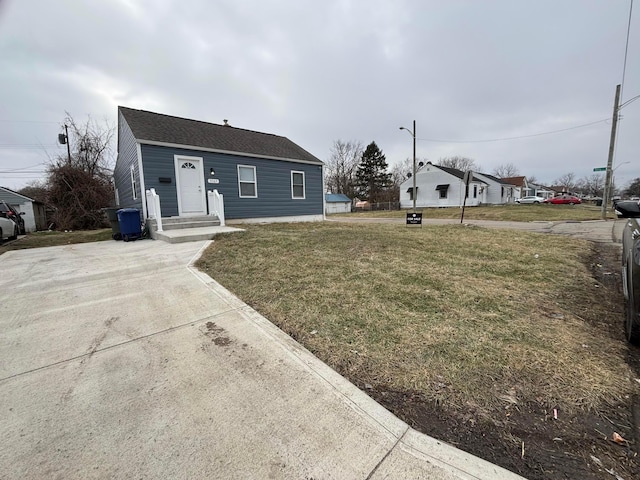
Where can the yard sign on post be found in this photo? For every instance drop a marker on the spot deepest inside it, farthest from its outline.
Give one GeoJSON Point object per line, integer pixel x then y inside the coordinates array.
{"type": "Point", "coordinates": [466, 179]}
{"type": "Point", "coordinates": [414, 218]}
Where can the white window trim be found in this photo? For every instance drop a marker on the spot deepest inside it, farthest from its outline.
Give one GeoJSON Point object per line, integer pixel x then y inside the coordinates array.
{"type": "Point", "coordinates": [133, 183]}
{"type": "Point", "coordinates": [304, 186]}
{"type": "Point", "coordinates": [255, 181]}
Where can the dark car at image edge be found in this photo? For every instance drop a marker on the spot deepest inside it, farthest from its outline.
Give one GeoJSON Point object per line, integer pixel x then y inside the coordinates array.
{"type": "Point", "coordinates": [630, 210]}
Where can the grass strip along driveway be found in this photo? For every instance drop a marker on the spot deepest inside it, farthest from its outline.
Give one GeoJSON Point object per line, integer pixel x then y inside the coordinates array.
{"type": "Point", "coordinates": [55, 238]}
{"type": "Point", "coordinates": [499, 342]}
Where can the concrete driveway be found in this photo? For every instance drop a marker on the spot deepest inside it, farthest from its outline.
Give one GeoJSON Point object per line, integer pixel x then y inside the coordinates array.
{"type": "Point", "coordinates": [119, 360]}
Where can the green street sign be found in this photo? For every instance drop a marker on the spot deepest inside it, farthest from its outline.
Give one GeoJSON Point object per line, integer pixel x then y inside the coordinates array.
{"type": "Point", "coordinates": [600, 169]}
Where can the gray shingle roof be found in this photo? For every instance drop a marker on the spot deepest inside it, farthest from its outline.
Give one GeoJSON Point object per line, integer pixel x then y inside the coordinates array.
{"type": "Point", "coordinates": [336, 198]}
{"type": "Point", "coordinates": [156, 127]}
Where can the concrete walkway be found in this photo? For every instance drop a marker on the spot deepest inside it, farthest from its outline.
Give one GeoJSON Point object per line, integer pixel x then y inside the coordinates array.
{"type": "Point", "coordinates": [120, 360]}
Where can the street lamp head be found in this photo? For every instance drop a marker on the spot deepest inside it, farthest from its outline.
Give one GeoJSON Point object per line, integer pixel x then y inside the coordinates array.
{"type": "Point", "coordinates": [402, 128]}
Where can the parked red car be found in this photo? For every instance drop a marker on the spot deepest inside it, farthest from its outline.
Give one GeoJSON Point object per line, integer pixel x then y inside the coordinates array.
{"type": "Point", "coordinates": [564, 199]}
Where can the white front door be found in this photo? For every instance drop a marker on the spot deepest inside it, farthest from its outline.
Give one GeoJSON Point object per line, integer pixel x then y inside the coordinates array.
{"type": "Point", "coordinates": [190, 186]}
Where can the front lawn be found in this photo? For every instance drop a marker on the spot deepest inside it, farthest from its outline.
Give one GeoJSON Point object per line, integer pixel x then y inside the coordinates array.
{"type": "Point", "coordinates": [475, 325]}
{"type": "Point", "coordinates": [513, 213]}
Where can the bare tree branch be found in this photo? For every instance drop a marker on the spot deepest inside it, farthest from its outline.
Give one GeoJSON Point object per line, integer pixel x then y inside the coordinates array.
{"type": "Point", "coordinates": [459, 163]}
{"type": "Point", "coordinates": [506, 170]}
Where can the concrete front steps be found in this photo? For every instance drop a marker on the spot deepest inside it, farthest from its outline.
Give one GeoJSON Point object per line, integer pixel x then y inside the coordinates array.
{"type": "Point", "coordinates": [188, 229]}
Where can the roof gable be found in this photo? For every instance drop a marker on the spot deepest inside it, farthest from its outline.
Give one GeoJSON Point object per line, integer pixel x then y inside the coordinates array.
{"type": "Point", "coordinates": [149, 127]}
{"type": "Point", "coordinates": [6, 193]}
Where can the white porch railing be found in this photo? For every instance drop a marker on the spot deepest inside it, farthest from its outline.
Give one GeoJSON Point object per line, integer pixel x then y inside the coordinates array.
{"type": "Point", "coordinates": [216, 205]}
{"type": "Point", "coordinates": [153, 207]}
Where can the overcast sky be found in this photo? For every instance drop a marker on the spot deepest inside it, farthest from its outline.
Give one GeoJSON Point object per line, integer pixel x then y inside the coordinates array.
{"type": "Point", "coordinates": [317, 71]}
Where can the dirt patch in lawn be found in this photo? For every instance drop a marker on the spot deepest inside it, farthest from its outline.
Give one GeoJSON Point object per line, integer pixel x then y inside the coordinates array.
{"type": "Point", "coordinates": [506, 344]}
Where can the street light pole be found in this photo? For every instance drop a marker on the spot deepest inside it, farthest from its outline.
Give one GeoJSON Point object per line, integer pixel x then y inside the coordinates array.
{"type": "Point", "coordinates": [612, 142]}
{"type": "Point", "coordinates": [413, 134]}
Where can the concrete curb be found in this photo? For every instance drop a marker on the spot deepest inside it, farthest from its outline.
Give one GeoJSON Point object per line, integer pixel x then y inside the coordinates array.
{"type": "Point", "coordinates": [422, 447]}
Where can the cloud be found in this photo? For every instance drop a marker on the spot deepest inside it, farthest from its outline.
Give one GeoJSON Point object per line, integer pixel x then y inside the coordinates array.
{"type": "Point", "coordinates": [341, 69]}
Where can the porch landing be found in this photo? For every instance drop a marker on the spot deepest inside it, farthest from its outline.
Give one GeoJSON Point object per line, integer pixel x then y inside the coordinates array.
{"type": "Point", "coordinates": [192, 234]}
{"type": "Point", "coordinates": [188, 229]}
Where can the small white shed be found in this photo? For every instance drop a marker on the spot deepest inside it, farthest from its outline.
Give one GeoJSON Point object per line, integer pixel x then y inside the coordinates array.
{"type": "Point", "coordinates": [337, 203]}
{"type": "Point", "coordinates": [34, 212]}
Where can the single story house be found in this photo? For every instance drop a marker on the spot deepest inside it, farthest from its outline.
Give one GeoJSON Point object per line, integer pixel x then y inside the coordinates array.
{"type": "Point", "coordinates": [521, 185]}
{"type": "Point", "coordinates": [496, 191]}
{"type": "Point", "coordinates": [540, 190]}
{"type": "Point", "coordinates": [262, 177]}
{"type": "Point", "coordinates": [35, 217]}
{"type": "Point", "coordinates": [438, 186]}
{"type": "Point", "coordinates": [337, 203]}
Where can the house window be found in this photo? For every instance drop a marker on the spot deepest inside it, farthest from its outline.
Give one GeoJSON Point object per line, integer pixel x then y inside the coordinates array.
{"type": "Point", "coordinates": [443, 190]}
{"type": "Point", "coordinates": [475, 191]}
{"type": "Point", "coordinates": [410, 192]}
{"type": "Point", "coordinates": [134, 189]}
{"type": "Point", "coordinates": [297, 184]}
{"type": "Point", "coordinates": [502, 191]}
{"type": "Point", "coordinates": [247, 184]}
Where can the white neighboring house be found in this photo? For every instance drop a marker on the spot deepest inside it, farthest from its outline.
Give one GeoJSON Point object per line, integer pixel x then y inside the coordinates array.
{"type": "Point", "coordinates": [541, 190]}
{"type": "Point", "coordinates": [438, 186]}
{"type": "Point", "coordinates": [336, 203]}
{"type": "Point", "coordinates": [497, 192]}
{"type": "Point", "coordinates": [34, 211]}
{"type": "Point", "coordinates": [521, 185]}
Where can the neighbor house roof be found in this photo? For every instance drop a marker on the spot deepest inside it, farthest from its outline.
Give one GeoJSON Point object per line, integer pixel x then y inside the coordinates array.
{"type": "Point", "coordinates": [456, 173]}
{"type": "Point", "coordinates": [10, 196]}
{"type": "Point", "coordinates": [495, 179]}
{"type": "Point", "coordinates": [336, 198]}
{"type": "Point", "coordinates": [517, 181]}
{"type": "Point", "coordinates": [157, 128]}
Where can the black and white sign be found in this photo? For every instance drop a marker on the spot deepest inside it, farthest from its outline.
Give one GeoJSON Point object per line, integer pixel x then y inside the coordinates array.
{"type": "Point", "coordinates": [414, 218]}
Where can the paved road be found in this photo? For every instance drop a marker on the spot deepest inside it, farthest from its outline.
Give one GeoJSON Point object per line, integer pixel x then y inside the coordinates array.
{"type": "Point", "coordinates": [119, 360]}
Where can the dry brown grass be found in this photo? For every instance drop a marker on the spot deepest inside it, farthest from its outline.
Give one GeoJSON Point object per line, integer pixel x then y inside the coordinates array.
{"type": "Point", "coordinates": [462, 315]}
{"type": "Point", "coordinates": [52, 239]}
{"type": "Point", "coordinates": [512, 213]}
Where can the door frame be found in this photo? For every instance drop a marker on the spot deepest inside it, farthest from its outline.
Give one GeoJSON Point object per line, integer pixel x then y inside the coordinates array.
{"type": "Point", "coordinates": [199, 163]}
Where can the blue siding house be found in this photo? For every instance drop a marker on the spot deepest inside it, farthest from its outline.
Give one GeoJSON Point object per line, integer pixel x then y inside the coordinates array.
{"type": "Point", "coordinates": [262, 177]}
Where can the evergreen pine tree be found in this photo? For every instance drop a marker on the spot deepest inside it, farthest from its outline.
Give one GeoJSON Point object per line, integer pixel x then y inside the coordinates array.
{"type": "Point", "coordinates": [372, 177]}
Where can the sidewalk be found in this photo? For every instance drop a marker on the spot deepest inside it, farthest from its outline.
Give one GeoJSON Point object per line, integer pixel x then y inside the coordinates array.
{"type": "Point", "coordinates": [120, 360]}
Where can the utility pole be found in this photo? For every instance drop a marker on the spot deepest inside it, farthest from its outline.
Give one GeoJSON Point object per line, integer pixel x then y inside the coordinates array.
{"type": "Point", "coordinates": [66, 134]}
{"type": "Point", "coordinates": [415, 193]}
{"type": "Point", "coordinates": [612, 142]}
{"type": "Point", "coordinates": [63, 138]}
{"type": "Point", "coordinates": [413, 134]}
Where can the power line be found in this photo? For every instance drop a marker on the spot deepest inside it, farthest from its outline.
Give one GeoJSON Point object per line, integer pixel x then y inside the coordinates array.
{"type": "Point", "coordinates": [515, 138]}
{"type": "Point", "coordinates": [29, 121]}
{"type": "Point", "coordinates": [24, 168]}
{"type": "Point", "coordinates": [26, 145]}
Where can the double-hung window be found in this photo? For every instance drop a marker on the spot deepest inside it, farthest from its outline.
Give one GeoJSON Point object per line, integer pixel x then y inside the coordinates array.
{"type": "Point", "coordinates": [247, 184]}
{"type": "Point", "coordinates": [297, 185]}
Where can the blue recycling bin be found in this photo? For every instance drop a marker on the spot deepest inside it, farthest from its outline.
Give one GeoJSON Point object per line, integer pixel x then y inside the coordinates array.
{"type": "Point", "coordinates": [129, 221]}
